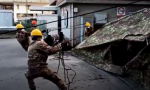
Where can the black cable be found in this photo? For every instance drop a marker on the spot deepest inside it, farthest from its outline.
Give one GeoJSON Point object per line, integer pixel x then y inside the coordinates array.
{"type": "Point", "coordinates": [61, 59]}
{"type": "Point", "coordinates": [81, 24]}
{"type": "Point", "coordinates": [89, 22]}
{"type": "Point", "coordinates": [66, 73]}
{"type": "Point", "coordinates": [90, 12]}
{"type": "Point", "coordinates": [78, 15]}
{"type": "Point", "coordinates": [73, 70]}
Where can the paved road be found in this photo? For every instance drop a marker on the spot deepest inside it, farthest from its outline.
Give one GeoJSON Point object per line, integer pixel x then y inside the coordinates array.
{"type": "Point", "coordinates": [13, 65]}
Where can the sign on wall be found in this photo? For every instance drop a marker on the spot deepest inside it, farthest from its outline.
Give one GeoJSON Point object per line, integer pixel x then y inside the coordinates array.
{"type": "Point", "coordinates": [121, 11]}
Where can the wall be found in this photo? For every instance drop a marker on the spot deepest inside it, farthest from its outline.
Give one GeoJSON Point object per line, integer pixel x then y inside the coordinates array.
{"type": "Point", "coordinates": [111, 13]}
{"type": "Point", "coordinates": [51, 26]}
{"type": "Point", "coordinates": [23, 1]}
{"type": "Point", "coordinates": [22, 9]}
{"type": "Point", "coordinates": [2, 7]}
{"type": "Point", "coordinates": [67, 31]}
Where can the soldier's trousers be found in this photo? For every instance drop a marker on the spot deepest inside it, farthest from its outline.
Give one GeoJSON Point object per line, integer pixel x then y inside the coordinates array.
{"type": "Point", "coordinates": [46, 74]}
{"type": "Point", "coordinates": [24, 45]}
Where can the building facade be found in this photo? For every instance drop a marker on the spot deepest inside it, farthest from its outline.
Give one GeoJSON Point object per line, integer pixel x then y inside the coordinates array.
{"type": "Point", "coordinates": [21, 7]}
{"type": "Point", "coordinates": [75, 26]}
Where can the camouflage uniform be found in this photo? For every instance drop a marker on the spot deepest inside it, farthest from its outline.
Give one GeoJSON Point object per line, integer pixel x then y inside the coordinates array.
{"type": "Point", "coordinates": [23, 38]}
{"type": "Point", "coordinates": [38, 53]}
{"type": "Point", "coordinates": [88, 31]}
{"type": "Point", "coordinates": [32, 28]}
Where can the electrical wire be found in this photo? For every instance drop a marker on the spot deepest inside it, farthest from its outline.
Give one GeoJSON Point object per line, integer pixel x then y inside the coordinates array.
{"type": "Point", "coordinates": [75, 72]}
{"type": "Point", "coordinates": [62, 53]}
{"type": "Point", "coordinates": [90, 12]}
{"type": "Point", "coordinates": [79, 15]}
{"type": "Point", "coordinates": [66, 73]}
{"type": "Point", "coordinates": [80, 24]}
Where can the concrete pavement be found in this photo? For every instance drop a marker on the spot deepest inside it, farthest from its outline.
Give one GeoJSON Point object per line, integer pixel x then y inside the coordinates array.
{"type": "Point", "coordinates": [13, 61]}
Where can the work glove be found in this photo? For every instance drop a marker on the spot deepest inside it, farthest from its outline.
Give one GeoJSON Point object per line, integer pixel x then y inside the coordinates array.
{"type": "Point", "coordinates": [43, 31]}
{"type": "Point", "coordinates": [64, 46]}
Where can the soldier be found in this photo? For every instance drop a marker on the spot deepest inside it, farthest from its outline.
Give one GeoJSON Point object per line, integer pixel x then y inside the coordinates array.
{"type": "Point", "coordinates": [38, 52]}
{"type": "Point", "coordinates": [22, 36]}
{"type": "Point", "coordinates": [34, 24]}
{"type": "Point", "coordinates": [88, 30]}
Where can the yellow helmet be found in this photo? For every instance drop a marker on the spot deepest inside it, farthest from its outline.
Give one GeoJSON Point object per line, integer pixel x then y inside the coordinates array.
{"type": "Point", "coordinates": [36, 32]}
{"type": "Point", "coordinates": [87, 24]}
{"type": "Point", "coordinates": [18, 26]}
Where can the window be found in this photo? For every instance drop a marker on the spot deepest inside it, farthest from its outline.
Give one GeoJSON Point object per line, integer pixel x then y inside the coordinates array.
{"type": "Point", "coordinates": [66, 18]}
{"type": "Point", "coordinates": [27, 7]}
{"type": "Point", "coordinates": [24, 15]}
{"type": "Point", "coordinates": [18, 7]}
{"type": "Point", "coordinates": [9, 7]}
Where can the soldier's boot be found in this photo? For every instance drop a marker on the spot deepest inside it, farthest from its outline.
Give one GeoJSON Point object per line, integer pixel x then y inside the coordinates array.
{"type": "Point", "coordinates": [55, 79]}
{"type": "Point", "coordinates": [61, 85]}
{"type": "Point", "coordinates": [30, 82]}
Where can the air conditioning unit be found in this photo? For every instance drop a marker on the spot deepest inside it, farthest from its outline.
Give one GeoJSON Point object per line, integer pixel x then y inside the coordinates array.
{"type": "Point", "coordinates": [100, 18]}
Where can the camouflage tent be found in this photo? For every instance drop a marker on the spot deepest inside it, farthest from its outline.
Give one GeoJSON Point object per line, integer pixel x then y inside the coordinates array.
{"type": "Point", "coordinates": [121, 46]}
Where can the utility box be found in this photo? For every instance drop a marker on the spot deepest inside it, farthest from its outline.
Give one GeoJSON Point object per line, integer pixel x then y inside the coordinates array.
{"type": "Point", "coordinates": [100, 18]}
{"type": "Point", "coordinates": [6, 18]}
{"type": "Point", "coordinates": [6, 21]}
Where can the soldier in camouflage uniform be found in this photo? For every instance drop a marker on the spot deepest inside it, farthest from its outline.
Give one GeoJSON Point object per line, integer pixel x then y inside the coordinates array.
{"type": "Point", "coordinates": [23, 37]}
{"type": "Point", "coordinates": [38, 53]}
{"type": "Point", "coordinates": [88, 30]}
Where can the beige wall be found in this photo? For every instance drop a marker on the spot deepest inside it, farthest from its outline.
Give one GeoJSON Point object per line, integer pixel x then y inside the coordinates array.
{"type": "Point", "coordinates": [30, 1]}
{"type": "Point", "coordinates": [22, 9]}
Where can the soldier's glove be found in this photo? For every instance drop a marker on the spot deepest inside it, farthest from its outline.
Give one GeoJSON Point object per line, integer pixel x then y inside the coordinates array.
{"type": "Point", "coordinates": [64, 46]}
{"type": "Point", "coordinates": [43, 31]}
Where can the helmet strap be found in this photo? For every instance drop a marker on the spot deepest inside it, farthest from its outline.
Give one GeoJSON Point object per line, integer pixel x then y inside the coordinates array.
{"type": "Point", "coordinates": [19, 29]}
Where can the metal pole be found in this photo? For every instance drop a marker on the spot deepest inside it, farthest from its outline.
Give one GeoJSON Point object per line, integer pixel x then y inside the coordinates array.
{"type": "Point", "coordinates": [26, 8]}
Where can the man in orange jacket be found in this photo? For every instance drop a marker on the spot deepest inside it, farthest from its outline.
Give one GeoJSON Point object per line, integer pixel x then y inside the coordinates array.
{"type": "Point", "coordinates": [34, 24]}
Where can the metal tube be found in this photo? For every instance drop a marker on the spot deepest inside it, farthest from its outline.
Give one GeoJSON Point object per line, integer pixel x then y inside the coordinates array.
{"type": "Point", "coordinates": [26, 8]}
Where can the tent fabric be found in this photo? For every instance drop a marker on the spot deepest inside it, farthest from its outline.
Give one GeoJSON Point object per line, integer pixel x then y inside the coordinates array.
{"type": "Point", "coordinates": [119, 45]}
{"type": "Point", "coordinates": [134, 27]}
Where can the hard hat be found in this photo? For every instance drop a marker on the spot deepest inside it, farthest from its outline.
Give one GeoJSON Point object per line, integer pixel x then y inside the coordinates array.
{"type": "Point", "coordinates": [36, 32]}
{"type": "Point", "coordinates": [19, 26]}
{"type": "Point", "coordinates": [34, 22]}
{"type": "Point", "coordinates": [87, 24]}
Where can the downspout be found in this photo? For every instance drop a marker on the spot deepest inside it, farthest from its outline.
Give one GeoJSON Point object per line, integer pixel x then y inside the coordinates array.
{"type": "Point", "coordinates": [72, 24]}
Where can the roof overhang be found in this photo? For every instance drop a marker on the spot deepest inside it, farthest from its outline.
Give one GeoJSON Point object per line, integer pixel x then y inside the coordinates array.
{"type": "Point", "coordinates": [50, 8]}
{"type": "Point", "coordinates": [53, 3]}
{"type": "Point", "coordinates": [142, 2]}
